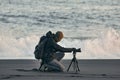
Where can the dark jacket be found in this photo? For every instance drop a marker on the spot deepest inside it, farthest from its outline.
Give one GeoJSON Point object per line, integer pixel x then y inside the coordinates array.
{"type": "Point", "coordinates": [51, 47]}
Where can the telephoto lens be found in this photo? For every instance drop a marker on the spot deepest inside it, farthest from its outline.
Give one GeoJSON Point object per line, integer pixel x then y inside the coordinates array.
{"type": "Point", "coordinates": [78, 50]}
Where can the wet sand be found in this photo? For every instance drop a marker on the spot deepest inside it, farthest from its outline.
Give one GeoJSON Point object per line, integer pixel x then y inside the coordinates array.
{"type": "Point", "coordinates": [89, 70]}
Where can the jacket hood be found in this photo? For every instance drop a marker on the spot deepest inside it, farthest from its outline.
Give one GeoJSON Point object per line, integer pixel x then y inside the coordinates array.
{"type": "Point", "coordinates": [49, 34]}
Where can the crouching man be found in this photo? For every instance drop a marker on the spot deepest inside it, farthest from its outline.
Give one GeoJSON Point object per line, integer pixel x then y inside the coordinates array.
{"type": "Point", "coordinates": [53, 52]}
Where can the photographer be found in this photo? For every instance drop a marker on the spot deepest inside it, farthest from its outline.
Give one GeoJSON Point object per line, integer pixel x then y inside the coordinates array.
{"type": "Point", "coordinates": [53, 52]}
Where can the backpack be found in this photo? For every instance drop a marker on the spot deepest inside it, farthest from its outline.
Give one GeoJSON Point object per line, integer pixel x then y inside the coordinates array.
{"type": "Point", "coordinates": [39, 49]}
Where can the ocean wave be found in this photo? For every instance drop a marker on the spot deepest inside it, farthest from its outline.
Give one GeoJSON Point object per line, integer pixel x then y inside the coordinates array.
{"type": "Point", "coordinates": [105, 46]}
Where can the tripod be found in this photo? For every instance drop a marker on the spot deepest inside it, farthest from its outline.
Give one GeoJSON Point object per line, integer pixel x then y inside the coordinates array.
{"type": "Point", "coordinates": [75, 62]}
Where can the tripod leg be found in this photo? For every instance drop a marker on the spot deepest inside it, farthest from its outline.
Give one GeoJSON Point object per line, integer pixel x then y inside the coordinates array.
{"type": "Point", "coordinates": [70, 65]}
{"type": "Point", "coordinates": [77, 66]}
{"type": "Point", "coordinates": [74, 66]}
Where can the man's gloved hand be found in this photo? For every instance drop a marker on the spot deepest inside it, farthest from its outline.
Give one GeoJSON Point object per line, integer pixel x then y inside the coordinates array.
{"type": "Point", "coordinates": [73, 49]}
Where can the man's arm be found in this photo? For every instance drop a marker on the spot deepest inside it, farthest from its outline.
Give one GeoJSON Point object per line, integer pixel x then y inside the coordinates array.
{"type": "Point", "coordinates": [60, 48]}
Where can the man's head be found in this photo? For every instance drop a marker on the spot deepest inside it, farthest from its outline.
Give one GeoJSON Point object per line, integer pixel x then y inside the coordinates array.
{"type": "Point", "coordinates": [58, 36]}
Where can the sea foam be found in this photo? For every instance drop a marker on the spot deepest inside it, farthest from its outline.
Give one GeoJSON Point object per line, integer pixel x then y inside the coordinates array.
{"type": "Point", "coordinates": [105, 46]}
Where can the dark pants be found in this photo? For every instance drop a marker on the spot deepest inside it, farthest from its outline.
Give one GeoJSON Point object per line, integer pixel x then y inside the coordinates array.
{"type": "Point", "coordinates": [55, 63]}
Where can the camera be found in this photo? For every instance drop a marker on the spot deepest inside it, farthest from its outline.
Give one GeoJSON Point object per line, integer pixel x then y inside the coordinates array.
{"type": "Point", "coordinates": [78, 50]}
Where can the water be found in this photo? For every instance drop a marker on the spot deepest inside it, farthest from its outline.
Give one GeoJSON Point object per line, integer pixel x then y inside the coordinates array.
{"type": "Point", "coordinates": [93, 25]}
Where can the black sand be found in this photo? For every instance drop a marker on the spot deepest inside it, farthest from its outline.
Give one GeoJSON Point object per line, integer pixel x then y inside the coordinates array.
{"type": "Point", "coordinates": [89, 70]}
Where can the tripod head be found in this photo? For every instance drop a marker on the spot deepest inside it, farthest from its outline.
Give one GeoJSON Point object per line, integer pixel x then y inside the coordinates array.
{"type": "Point", "coordinates": [76, 50]}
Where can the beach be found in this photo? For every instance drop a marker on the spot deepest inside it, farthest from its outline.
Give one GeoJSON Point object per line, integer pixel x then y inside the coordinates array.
{"type": "Point", "coordinates": [24, 69]}
{"type": "Point", "coordinates": [92, 25]}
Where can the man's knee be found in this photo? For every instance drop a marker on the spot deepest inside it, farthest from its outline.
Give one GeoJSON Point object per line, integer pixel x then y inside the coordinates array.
{"type": "Point", "coordinates": [55, 65]}
{"type": "Point", "coordinates": [62, 54]}
{"type": "Point", "coordinates": [59, 55]}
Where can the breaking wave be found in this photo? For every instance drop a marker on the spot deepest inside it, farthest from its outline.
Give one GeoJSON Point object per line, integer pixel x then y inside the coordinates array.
{"type": "Point", "coordinates": [105, 46]}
